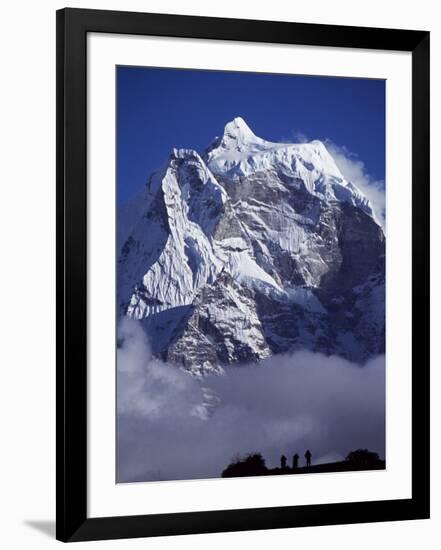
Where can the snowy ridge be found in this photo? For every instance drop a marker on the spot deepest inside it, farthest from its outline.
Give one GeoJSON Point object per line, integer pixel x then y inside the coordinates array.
{"type": "Point", "coordinates": [186, 261]}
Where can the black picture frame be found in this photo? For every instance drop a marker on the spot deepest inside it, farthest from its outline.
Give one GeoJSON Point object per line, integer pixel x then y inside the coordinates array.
{"type": "Point", "coordinates": [72, 521]}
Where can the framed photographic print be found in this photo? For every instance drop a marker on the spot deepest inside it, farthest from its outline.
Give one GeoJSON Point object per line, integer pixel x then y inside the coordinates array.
{"type": "Point", "coordinates": [242, 274]}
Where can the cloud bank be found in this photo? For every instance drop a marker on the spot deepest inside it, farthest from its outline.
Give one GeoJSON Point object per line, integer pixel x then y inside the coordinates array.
{"type": "Point", "coordinates": [171, 425]}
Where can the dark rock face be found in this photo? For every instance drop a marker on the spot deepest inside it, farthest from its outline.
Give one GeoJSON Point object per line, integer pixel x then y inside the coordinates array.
{"type": "Point", "coordinates": [223, 328]}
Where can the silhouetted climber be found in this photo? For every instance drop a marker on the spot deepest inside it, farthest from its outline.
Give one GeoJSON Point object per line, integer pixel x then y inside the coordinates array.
{"type": "Point", "coordinates": [295, 461]}
{"type": "Point", "coordinates": [308, 456]}
{"type": "Point", "coordinates": [283, 462]}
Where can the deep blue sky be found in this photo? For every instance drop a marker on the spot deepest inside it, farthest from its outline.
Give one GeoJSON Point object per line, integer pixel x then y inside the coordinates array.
{"type": "Point", "coordinates": [158, 109]}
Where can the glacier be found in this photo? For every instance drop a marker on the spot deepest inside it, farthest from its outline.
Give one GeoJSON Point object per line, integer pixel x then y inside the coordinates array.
{"type": "Point", "coordinates": [249, 249]}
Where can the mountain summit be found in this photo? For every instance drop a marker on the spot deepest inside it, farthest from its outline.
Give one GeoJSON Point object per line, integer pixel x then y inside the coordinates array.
{"type": "Point", "coordinates": [238, 130]}
{"type": "Point", "coordinates": [251, 249]}
{"type": "Point", "coordinates": [240, 153]}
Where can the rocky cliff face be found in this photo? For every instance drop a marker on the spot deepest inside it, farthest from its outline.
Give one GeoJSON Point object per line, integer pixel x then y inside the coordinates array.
{"type": "Point", "coordinates": [249, 250]}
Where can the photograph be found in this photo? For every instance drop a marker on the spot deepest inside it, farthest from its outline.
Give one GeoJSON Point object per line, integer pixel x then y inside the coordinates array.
{"type": "Point", "coordinates": [218, 225]}
{"type": "Point", "coordinates": [251, 253]}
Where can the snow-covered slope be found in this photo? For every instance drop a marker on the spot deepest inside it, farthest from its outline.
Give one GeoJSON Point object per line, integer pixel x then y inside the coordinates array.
{"type": "Point", "coordinates": [252, 249]}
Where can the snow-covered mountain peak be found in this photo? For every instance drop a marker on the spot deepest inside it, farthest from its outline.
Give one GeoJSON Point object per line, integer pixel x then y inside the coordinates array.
{"type": "Point", "coordinates": [237, 130]}
{"type": "Point", "coordinates": [251, 249]}
{"type": "Point", "coordinates": [239, 154]}
{"type": "Point", "coordinates": [237, 139]}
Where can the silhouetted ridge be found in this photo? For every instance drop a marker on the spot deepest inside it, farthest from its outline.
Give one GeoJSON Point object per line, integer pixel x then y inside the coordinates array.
{"type": "Point", "coordinates": [254, 465]}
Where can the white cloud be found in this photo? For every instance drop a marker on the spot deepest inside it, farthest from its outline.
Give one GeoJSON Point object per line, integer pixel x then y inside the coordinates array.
{"type": "Point", "coordinates": [174, 426]}
{"type": "Point", "coordinates": [298, 137]}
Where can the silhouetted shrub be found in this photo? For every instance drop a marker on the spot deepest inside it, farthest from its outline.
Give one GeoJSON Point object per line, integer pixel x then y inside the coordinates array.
{"type": "Point", "coordinates": [363, 457]}
{"type": "Point", "coordinates": [251, 465]}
